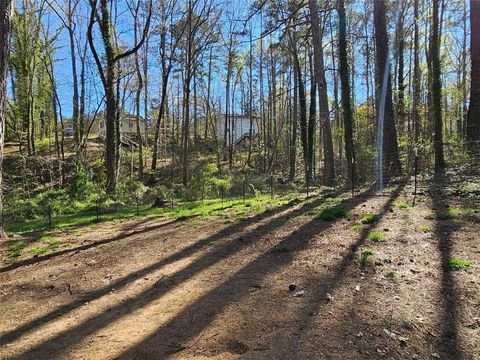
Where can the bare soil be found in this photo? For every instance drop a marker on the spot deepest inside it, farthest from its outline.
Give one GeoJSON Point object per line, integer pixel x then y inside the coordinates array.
{"type": "Point", "coordinates": [203, 289]}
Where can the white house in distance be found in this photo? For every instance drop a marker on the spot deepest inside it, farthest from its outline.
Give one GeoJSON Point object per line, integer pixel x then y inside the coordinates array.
{"type": "Point", "coordinates": [128, 126]}
{"type": "Point", "coordinates": [241, 129]}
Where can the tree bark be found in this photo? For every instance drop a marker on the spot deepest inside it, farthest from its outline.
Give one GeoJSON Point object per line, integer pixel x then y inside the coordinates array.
{"type": "Point", "coordinates": [473, 120]}
{"type": "Point", "coordinates": [436, 87]}
{"type": "Point", "coordinates": [345, 83]}
{"type": "Point", "coordinates": [329, 167]}
{"type": "Point", "coordinates": [390, 146]}
{"type": "Point", "coordinates": [416, 74]}
{"type": "Point", "coordinates": [6, 13]}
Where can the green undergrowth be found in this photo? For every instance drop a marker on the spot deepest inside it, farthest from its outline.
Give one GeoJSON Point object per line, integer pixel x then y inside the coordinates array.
{"type": "Point", "coordinates": [40, 246]}
{"type": "Point", "coordinates": [235, 209]}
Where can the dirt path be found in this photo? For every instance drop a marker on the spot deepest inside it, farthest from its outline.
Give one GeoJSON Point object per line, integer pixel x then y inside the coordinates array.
{"type": "Point", "coordinates": [159, 289]}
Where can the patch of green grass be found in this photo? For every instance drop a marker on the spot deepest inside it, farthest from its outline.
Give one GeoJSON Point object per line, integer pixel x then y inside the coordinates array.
{"type": "Point", "coordinates": [365, 255]}
{"type": "Point", "coordinates": [376, 236]}
{"type": "Point", "coordinates": [391, 274]}
{"type": "Point", "coordinates": [387, 260]}
{"type": "Point", "coordinates": [445, 214]}
{"type": "Point", "coordinates": [14, 254]}
{"type": "Point", "coordinates": [401, 204]}
{"type": "Point", "coordinates": [457, 264]}
{"type": "Point", "coordinates": [38, 250]}
{"type": "Point", "coordinates": [16, 249]}
{"type": "Point", "coordinates": [357, 227]}
{"type": "Point", "coordinates": [52, 243]}
{"type": "Point", "coordinates": [46, 239]}
{"type": "Point", "coordinates": [281, 249]}
{"type": "Point", "coordinates": [369, 219]}
{"type": "Point", "coordinates": [425, 228]}
{"type": "Point", "coordinates": [332, 213]}
{"type": "Point", "coordinates": [17, 246]}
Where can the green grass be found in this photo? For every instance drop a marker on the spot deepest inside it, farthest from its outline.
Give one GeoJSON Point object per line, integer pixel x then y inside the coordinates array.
{"type": "Point", "coordinates": [425, 228]}
{"type": "Point", "coordinates": [457, 264]}
{"type": "Point", "coordinates": [15, 249]}
{"type": "Point", "coordinates": [38, 250]}
{"type": "Point", "coordinates": [332, 213]}
{"type": "Point", "coordinates": [206, 208]}
{"type": "Point", "coordinates": [445, 214]}
{"type": "Point", "coordinates": [17, 246]}
{"type": "Point", "coordinates": [357, 227]}
{"type": "Point", "coordinates": [365, 255]}
{"type": "Point", "coordinates": [401, 204]}
{"type": "Point", "coordinates": [369, 219]}
{"type": "Point", "coordinates": [376, 236]}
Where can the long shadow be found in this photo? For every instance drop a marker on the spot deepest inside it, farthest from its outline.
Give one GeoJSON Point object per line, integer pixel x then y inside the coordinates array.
{"type": "Point", "coordinates": [124, 281]}
{"type": "Point", "coordinates": [124, 235]}
{"type": "Point", "coordinates": [227, 292]}
{"type": "Point", "coordinates": [261, 267]}
{"type": "Point", "coordinates": [57, 344]}
{"type": "Point", "coordinates": [121, 236]}
{"type": "Point", "coordinates": [448, 341]}
{"type": "Point", "coordinates": [330, 282]}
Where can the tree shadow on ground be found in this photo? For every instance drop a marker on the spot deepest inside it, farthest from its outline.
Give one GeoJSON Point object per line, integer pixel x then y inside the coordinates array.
{"type": "Point", "coordinates": [124, 281]}
{"type": "Point", "coordinates": [316, 298]}
{"type": "Point", "coordinates": [448, 341]}
{"type": "Point", "coordinates": [122, 236]}
{"type": "Point", "coordinates": [199, 315]}
{"type": "Point", "coordinates": [60, 343]}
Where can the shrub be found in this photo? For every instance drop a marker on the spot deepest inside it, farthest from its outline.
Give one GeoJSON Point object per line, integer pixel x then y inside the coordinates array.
{"type": "Point", "coordinates": [206, 183]}
{"type": "Point", "coordinates": [130, 190]}
{"type": "Point", "coordinates": [82, 187]}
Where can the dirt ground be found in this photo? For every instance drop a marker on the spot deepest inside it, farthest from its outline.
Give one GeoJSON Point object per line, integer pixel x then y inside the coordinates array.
{"type": "Point", "coordinates": [204, 289]}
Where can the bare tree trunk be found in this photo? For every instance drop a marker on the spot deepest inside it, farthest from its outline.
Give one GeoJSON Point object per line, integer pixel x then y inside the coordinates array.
{"type": "Point", "coordinates": [137, 98]}
{"type": "Point", "coordinates": [416, 74]}
{"type": "Point", "coordinates": [390, 146]}
{"type": "Point", "coordinates": [323, 93]}
{"type": "Point", "coordinates": [345, 82]}
{"type": "Point", "coordinates": [73, 60]}
{"type": "Point", "coordinates": [437, 90]}
{"type": "Point", "coordinates": [294, 120]}
{"type": "Point", "coordinates": [6, 14]}
{"type": "Point", "coordinates": [109, 79]}
{"type": "Point", "coordinates": [473, 121]}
